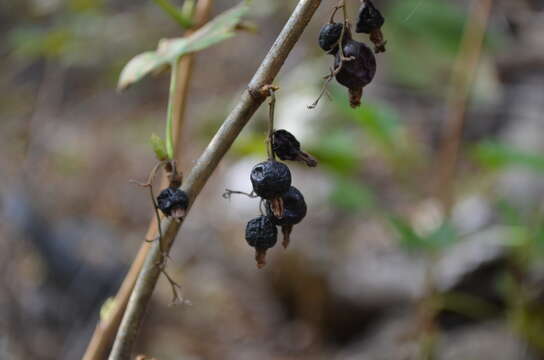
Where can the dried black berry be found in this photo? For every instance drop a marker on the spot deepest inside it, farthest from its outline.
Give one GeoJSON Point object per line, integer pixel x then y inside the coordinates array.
{"type": "Point", "coordinates": [358, 72]}
{"type": "Point", "coordinates": [370, 22]}
{"type": "Point", "coordinates": [173, 202]}
{"type": "Point", "coordinates": [286, 146]}
{"type": "Point", "coordinates": [270, 179]}
{"type": "Point", "coordinates": [329, 36]}
{"type": "Point", "coordinates": [294, 211]}
{"type": "Point", "coordinates": [370, 18]}
{"type": "Point", "coordinates": [261, 234]}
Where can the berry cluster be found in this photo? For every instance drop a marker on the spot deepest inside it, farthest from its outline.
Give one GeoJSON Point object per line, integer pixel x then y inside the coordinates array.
{"type": "Point", "coordinates": [285, 205]}
{"type": "Point", "coordinates": [354, 61]}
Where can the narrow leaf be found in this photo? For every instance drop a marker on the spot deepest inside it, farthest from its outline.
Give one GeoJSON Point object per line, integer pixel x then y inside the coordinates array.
{"type": "Point", "coordinates": [175, 13]}
{"type": "Point", "coordinates": [170, 50]}
{"type": "Point", "coordinates": [158, 147]}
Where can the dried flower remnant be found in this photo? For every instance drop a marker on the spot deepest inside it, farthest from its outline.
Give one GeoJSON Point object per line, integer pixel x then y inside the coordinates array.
{"type": "Point", "coordinates": [262, 235]}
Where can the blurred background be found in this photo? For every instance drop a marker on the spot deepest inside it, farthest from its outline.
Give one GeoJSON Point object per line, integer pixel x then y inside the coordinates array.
{"type": "Point", "coordinates": [413, 247]}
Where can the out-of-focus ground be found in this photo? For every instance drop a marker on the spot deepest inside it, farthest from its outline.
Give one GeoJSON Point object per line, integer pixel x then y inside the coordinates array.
{"type": "Point", "coordinates": [374, 257]}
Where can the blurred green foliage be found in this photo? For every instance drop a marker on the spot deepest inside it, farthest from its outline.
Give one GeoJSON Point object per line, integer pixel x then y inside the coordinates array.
{"type": "Point", "coordinates": [438, 239]}
{"type": "Point", "coordinates": [497, 156]}
{"type": "Point", "coordinates": [424, 37]}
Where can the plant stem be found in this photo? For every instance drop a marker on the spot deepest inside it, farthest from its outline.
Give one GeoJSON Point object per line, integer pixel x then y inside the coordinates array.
{"type": "Point", "coordinates": [170, 112]}
{"type": "Point", "coordinates": [270, 133]}
{"type": "Point", "coordinates": [204, 167]}
{"type": "Point", "coordinates": [463, 75]}
{"type": "Point", "coordinates": [106, 329]}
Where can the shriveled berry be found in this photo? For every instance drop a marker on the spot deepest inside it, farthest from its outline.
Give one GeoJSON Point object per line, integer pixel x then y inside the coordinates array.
{"type": "Point", "coordinates": [261, 234]}
{"type": "Point", "coordinates": [173, 202]}
{"type": "Point", "coordinates": [286, 146]}
{"type": "Point", "coordinates": [294, 208]}
{"type": "Point", "coordinates": [329, 36]}
{"type": "Point", "coordinates": [369, 19]}
{"type": "Point", "coordinates": [370, 22]}
{"type": "Point", "coordinates": [294, 211]}
{"type": "Point", "coordinates": [270, 179]}
{"type": "Point", "coordinates": [358, 72]}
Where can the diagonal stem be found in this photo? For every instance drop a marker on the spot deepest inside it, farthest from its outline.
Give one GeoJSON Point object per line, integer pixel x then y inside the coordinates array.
{"type": "Point", "coordinates": [204, 167]}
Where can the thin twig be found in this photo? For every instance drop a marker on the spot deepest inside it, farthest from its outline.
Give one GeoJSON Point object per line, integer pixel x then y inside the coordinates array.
{"type": "Point", "coordinates": [106, 329]}
{"type": "Point", "coordinates": [462, 78]}
{"type": "Point", "coordinates": [228, 194]}
{"type": "Point", "coordinates": [204, 167]}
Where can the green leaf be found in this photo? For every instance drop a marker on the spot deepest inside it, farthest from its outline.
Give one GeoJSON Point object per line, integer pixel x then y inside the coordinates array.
{"type": "Point", "coordinates": [338, 151]}
{"type": "Point", "coordinates": [499, 156]}
{"type": "Point", "coordinates": [440, 238]}
{"type": "Point", "coordinates": [351, 195]}
{"type": "Point", "coordinates": [408, 237]}
{"type": "Point", "coordinates": [159, 147]}
{"type": "Point", "coordinates": [175, 13]}
{"type": "Point", "coordinates": [171, 50]}
{"type": "Point", "coordinates": [379, 122]}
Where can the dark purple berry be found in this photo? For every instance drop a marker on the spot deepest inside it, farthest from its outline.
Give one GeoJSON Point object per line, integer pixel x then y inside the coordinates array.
{"type": "Point", "coordinates": [270, 179]}
{"type": "Point", "coordinates": [173, 202]}
{"type": "Point", "coordinates": [355, 74]}
{"type": "Point", "coordinates": [286, 146]}
{"type": "Point", "coordinates": [370, 18]}
{"type": "Point", "coordinates": [294, 211]}
{"type": "Point", "coordinates": [261, 234]}
{"type": "Point", "coordinates": [329, 37]}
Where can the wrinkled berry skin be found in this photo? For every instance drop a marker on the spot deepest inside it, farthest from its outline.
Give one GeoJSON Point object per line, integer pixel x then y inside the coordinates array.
{"type": "Point", "coordinates": [172, 198]}
{"type": "Point", "coordinates": [358, 72]}
{"type": "Point", "coordinates": [294, 208]}
{"type": "Point", "coordinates": [329, 36]}
{"type": "Point", "coordinates": [261, 233]}
{"type": "Point", "coordinates": [370, 18]}
{"type": "Point", "coordinates": [270, 179]}
{"type": "Point", "coordinates": [285, 145]}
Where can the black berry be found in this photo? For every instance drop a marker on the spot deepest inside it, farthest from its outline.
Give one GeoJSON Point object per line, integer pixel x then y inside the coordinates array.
{"type": "Point", "coordinates": [261, 234]}
{"type": "Point", "coordinates": [294, 208]}
{"type": "Point", "coordinates": [270, 179]}
{"type": "Point", "coordinates": [286, 146]}
{"type": "Point", "coordinates": [370, 22]}
{"type": "Point", "coordinates": [329, 37]}
{"type": "Point", "coordinates": [370, 18]}
{"type": "Point", "coordinates": [358, 72]}
{"type": "Point", "coordinates": [294, 211]}
{"type": "Point", "coordinates": [173, 202]}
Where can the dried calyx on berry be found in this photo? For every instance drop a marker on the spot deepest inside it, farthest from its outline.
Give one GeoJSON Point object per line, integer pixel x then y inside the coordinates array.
{"type": "Point", "coordinates": [355, 74]}
{"type": "Point", "coordinates": [261, 234]}
{"type": "Point", "coordinates": [286, 146]}
{"type": "Point", "coordinates": [270, 179]}
{"type": "Point", "coordinates": [370, 21]}
{"type": "Point", "coordinates": [173, 202]}
{"type": "Point", "coordinates": [329, 36]}
{"type": "Point", "coordinates": [294, 211]}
